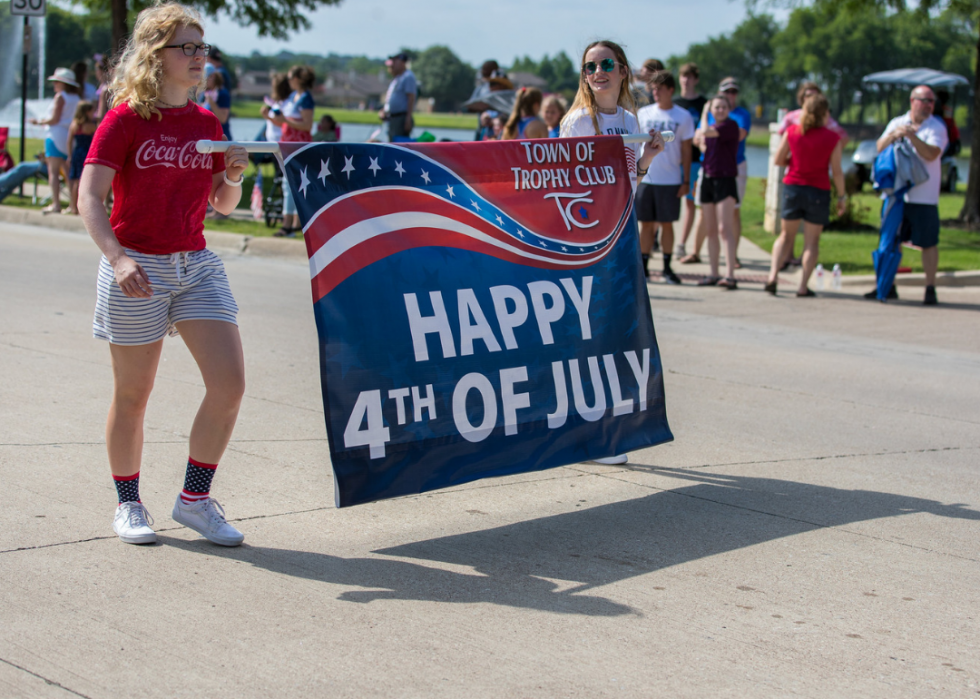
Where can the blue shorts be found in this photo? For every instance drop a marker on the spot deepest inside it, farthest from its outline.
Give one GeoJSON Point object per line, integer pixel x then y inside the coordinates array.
{"type": "Point", "coordinates": [692, 179]}
{"type": "Point", "coordinates": [186, 286]}
{"type": "Point", "coordinates": [51, 150]}
{"type": "Point", "coordinates": [920, 224]}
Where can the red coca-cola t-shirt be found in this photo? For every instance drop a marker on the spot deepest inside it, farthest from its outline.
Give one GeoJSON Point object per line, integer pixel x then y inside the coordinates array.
{"type": "Point", "coordinates": [162, 183]}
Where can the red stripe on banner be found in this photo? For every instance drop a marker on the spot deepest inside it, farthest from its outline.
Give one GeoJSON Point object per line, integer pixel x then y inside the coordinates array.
{"type": "Point", "coordinates": [373, 203]}
{"type": "Point", "coordinates": [368, 252]}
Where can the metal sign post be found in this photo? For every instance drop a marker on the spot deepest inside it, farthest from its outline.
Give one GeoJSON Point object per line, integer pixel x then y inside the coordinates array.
{"type": "Point", "coordinates": [27, 9]}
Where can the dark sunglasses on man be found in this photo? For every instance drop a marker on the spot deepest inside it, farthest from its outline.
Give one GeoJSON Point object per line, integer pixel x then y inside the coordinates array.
{"type": "Point", "coordinates": [607, 65]}
{"type": "Point", "coordinates": [190, 49]}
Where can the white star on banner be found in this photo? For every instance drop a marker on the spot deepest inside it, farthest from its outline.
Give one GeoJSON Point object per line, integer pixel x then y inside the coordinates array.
{"type": "Point", "coordinates": [304, 181]}
{"type": "Point", "coordinates": [564, 249]}
{"type": "Point", "coordinates": [519, 232]}
{"type": "Point", "coordinates": [348, 165]}
{"type": "Point", "coordinates": [475, 205]}
{"type": "Point", "coordinates": [449, 190]}
{"type": "Point", "coordinates": [544, 244]}
{"type": "Point", "coordinates": [500, 220]}
{"type": "Point", "coordinates": [324, 171]}
{"type": "Point", "coordinates": [374, 167]}
{"type": "Point", "coordinates": [399, 169]}
{"type": "Point", "coordinates": [425, 176]}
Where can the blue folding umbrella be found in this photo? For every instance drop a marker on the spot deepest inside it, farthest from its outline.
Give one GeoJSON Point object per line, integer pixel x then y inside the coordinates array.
{"type": "Point", "coordinates": [896, 170]}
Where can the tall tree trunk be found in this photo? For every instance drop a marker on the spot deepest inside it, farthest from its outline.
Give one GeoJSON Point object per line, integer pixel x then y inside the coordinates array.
{"type": "Point", "coordinates": [120, 30]}
{"type": "Point", "coordinates": [971, 206]}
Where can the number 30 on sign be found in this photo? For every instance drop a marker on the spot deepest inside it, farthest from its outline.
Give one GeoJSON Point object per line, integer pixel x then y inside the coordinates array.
{"type": "Point", "coordinates": [30, 8]}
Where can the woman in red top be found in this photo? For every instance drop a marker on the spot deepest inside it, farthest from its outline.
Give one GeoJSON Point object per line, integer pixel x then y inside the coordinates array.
{"type": "Point", "coordinates": [156, 275]}
{"type": "Point", "coordinates": [807, 151]}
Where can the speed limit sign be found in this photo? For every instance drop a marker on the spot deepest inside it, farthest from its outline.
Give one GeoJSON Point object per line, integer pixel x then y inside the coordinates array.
{"type": "Point", "coordinates": [30, 8]}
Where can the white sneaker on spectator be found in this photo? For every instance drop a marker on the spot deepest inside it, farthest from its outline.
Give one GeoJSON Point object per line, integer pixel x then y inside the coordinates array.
{"type": "Point", "coordinates": [613, 460]}
{"type": "Point", "coordinates": [679, 251]}
{"type": "Point", "coordinates": [132, 524]}
{"type": "Point", "coordinates": [207, 518]}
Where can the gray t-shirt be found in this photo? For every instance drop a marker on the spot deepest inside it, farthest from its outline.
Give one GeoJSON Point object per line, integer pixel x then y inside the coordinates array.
{"type": "Point", "coordinates": [396, 101]}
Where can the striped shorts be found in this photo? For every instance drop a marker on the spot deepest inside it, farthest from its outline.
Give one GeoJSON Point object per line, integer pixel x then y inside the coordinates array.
{"type": "Point", "coordinates": [186, 286]}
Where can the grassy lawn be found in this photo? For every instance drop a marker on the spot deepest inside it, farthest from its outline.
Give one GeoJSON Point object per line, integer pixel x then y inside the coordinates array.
{"type": "Point", "coordinates": [34, 145]}
{"type": "Point", "coordinates": [246, 109]}
{"type": "Point", "coordinates": [958, 249]}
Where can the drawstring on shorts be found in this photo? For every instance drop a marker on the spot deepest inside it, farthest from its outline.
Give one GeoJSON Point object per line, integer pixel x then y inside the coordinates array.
{"type": "Point", "coordinates": [175, 259]}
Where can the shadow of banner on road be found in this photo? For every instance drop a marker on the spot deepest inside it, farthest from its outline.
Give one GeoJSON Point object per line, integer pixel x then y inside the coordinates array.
{"type": "Point", "coordinates": [530, 564]}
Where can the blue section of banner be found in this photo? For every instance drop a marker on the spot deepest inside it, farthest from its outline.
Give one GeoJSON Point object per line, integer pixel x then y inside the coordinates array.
{"type": "Point", "coordinates": [421, 395]}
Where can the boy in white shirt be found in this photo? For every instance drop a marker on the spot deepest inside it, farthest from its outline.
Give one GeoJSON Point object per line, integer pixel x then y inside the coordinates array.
{"type": "Point", "coordinates": [665, 185]}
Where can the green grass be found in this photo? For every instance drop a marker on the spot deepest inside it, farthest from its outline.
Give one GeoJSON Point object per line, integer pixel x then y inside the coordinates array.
{"type": "Point", "coordinates": [958, 249]}
{"type": "Point", "coordinates": [250, 109]}
{"type": "Point", "coordinates": [33, 145]}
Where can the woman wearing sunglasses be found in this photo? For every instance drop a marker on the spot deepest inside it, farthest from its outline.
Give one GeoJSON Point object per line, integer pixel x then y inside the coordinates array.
{"type": "Point", "coordinates": [156, 276]}
{"type": "Point", "coordinates": [604, 105]}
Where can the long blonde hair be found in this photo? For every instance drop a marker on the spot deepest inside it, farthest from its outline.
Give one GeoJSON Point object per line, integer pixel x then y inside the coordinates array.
{"type": "Point", "coordinates": [527, 97]}
{"type": "Point", "coordinates": [585, 98]}
{"type": "Point", "coordinates": [138, 75]}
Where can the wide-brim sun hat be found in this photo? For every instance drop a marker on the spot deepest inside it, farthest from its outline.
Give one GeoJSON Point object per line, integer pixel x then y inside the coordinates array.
{"type": "Point", "coordinates": [64, 75]}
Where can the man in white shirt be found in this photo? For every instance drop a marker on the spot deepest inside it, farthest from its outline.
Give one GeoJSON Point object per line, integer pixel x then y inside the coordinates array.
{"type": "Point", "coordinates": [927, 134]}
{"type": "Point", "coordinates": [665, 185]}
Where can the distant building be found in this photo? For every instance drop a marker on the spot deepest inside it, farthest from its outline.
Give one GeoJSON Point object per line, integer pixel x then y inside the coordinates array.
{"type": "Point", "coordinates": [353, 90]}
{"type": "Point", "coordinates": [527, 80]}
{"type": "Point", "coordinates": [254, 84]}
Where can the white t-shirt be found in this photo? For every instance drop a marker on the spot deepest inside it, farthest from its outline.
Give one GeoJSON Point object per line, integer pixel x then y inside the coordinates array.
{"type": "Point", "coordinates": [622, 122]}
{"type": "Point", "coordinates": [933, 132]}
{"type": "Point", "coordinates": [666, 167]}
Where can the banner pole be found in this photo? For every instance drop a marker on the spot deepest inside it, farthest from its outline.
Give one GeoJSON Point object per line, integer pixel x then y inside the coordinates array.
{"type": "Point", "coordinates": [271, 147]}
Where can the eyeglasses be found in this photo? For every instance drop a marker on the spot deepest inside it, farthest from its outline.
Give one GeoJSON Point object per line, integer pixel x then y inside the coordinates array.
{"type": "Point", "coordinates": [607, 65]}
{"type": "Point", "coordinates": [190, 49]}
{"type": "Point", "coordinates": [927, 100]}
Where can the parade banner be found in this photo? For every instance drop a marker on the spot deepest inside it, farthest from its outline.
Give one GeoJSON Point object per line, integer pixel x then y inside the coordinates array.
{"type": "Point", "coordinates": [481, 309]}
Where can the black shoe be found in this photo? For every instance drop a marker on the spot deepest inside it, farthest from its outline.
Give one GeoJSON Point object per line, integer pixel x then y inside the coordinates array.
{"type": "Point", "coordinates": [709, 281]}
{"type": "Point", "coordinates": [770, 288]}
{"type": "Point", "coordinates": [873, 294]}
{"type": "Point", "coordinates": [930, 299]}
{"type": "Point", "coordinates": [670, 277]}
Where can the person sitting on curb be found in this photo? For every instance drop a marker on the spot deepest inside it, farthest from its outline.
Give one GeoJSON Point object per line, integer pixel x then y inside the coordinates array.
{"type": "Point", "coordinates": [16, 176]}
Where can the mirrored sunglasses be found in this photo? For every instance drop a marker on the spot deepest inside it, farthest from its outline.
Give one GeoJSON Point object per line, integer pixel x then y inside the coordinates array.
{"type": "Point", "coordinates": [607, 65]}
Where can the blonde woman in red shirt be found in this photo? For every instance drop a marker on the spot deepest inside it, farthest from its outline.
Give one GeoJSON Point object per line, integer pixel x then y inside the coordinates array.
{"type": "Point", "coordinates": [156, 276]}
{"type": "Point", "coordinates": [808, 150]}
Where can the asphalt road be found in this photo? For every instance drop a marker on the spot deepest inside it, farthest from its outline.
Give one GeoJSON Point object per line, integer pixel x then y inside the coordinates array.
{"type": "Point", "coordinates": [812, 531]}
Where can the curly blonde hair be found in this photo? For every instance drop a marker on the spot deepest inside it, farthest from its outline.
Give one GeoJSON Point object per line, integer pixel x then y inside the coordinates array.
{"type": "Point", "coordinates": [585, 98]}
{"type": "Point", "coordinates": [138, 74]}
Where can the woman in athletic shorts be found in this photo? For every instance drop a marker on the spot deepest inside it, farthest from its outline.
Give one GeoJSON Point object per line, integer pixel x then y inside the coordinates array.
{"type": "Point", "coordinates": [156, 277]}
{"type": "Point", "coordinates": [604, 105]}
{"type": "Point", "coordinates": [719, 191]}
{"type": "Point", "coordinates": [807, 150]}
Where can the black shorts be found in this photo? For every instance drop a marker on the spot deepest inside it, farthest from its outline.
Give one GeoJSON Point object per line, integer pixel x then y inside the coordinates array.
{"type": "Point", "coordinates": [920, 224]}
{"type": "Point", "coordinates": [658, 202]}
{"type": "Point", "coordinates": [806, 202]}
{"type": "Point", "coordinates": [718, 189]}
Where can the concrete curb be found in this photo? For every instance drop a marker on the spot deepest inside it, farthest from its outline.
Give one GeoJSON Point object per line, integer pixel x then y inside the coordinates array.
{"type": "Point", "coordinates": [294, 249]}
{"type": "Point", "coordinates": [281, 248]}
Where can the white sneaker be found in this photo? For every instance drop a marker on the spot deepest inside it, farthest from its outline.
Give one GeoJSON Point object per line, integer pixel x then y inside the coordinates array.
{"type": "Point", "coordinates": [679, 251]}
{"type": "Point", "coordinates": [132, 524]}
{"type": "Point", "coordinates": [613, 460]}
{"type": "Point", "coordinates": [207, 518]}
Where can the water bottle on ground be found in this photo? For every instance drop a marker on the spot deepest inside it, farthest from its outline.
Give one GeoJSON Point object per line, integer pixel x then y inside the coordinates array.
{"type": "Point", "coordinates": [836, 282]}
{"type": "Point", "coordinates": [819, 274]}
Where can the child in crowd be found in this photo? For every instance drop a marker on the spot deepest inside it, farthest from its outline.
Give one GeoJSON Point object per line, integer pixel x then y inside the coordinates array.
{"type": "Point", "coordinates": [719, 189]}
{"type": "Point", "coordinates": [80, 132]}
{"type": "Point", "coordinates": [553, 111]}
{"type": "Point", "coordinates": [524, 121]}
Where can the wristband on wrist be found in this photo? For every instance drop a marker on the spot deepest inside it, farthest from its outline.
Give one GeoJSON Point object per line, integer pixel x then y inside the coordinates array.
{"type": "Point", "coordinates": [234, 184]}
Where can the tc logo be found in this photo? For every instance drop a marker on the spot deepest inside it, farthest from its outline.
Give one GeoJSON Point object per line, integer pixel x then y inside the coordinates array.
{"type": "Point", "coordinates": [565, 209]}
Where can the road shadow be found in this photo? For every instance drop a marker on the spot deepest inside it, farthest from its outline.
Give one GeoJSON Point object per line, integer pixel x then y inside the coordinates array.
{"type": "Point", "coordinates": [591, 546]}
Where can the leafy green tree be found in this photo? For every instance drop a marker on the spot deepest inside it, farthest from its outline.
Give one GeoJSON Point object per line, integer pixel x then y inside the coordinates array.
{"type": "Point", "coordinates": [965, 11]}
{"type": "Point", "coordinates": [277, 19]}
{"type": "Point", "coordinates": [443, 76]}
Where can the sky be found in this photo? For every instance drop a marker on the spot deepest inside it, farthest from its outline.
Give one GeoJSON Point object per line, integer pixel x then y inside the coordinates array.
{"type": "Point", "coordinates": [500, 29]}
